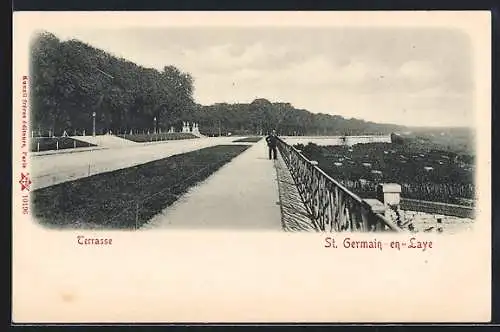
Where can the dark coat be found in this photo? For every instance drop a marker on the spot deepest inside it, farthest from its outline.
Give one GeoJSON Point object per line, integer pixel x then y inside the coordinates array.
{"type": "Point", "coordinates": [272, 141]}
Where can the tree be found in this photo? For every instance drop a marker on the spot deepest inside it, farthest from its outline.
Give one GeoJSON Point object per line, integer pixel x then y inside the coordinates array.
{"type": "Point", "coordinates": [71, 79]}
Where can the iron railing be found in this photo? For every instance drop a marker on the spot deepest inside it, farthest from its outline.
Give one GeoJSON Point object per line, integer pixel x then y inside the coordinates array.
{"type": "Point", "coordinates": [331, 206]}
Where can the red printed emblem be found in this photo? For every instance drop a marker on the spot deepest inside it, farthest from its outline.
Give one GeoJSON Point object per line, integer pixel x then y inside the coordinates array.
{"type": "Point", "coordinates": [25, 182]}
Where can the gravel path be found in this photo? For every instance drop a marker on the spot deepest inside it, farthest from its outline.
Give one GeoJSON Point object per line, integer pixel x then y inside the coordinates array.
{"type": "Point", "coordinates": [243, 194]}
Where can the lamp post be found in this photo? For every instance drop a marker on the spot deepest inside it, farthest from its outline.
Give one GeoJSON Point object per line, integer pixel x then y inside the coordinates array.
{"type": "Point", "coordinates": [101, 98]}
{"type": "Point", "coordinates": [154, 119]}
{"type": "Point", "coordinates": [93, 124]}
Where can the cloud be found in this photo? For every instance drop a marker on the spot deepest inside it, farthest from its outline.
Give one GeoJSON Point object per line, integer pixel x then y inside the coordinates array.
{"type": "Point", "coordinates": [232, 57]}
{"type": "Point", "coordinates": [413, 93]}
{"type": "Point", "coordinates": [392, 75]}
{"type": "Point", "coordinates": [361, 75]}
{"type": "Point", "coordinates": [419, 71]}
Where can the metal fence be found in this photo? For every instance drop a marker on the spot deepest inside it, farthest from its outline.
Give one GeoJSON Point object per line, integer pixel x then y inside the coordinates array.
{"type": "Point", "coordinates": [332, 207]}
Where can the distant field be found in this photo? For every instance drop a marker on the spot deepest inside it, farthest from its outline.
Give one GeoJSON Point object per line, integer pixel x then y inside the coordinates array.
{"type": "Point", "coordinates": [56, 143]}
{"type": "Point", "coordinates": [249, 139]}
{"type": "Point", "coordinates": [456, 140]}
{"type": "Point", "coordinates": [435, 175]}
{"type": "Point", "coordinates": [141, 138]}
{"type": "Point", "coordinates": [110, 200]}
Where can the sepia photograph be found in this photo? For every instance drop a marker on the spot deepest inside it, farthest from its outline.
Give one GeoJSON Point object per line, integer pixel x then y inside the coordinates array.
{"type": "Point", "coordinates": [369, 127]}
{"type": "Point", "coordinates": [319, 129]}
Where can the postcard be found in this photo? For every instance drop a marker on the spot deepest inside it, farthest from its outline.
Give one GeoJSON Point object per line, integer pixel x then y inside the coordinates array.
{"type": "Point", "coordinates": [251, 167]}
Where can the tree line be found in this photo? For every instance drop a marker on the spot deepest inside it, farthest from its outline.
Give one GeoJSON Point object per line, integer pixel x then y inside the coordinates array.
{"type": "Point", "coordinates": [71, 80]}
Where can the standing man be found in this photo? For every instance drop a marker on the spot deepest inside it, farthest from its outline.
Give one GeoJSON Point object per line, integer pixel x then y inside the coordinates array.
{"type": "Point", "coordinates": [272, 142]}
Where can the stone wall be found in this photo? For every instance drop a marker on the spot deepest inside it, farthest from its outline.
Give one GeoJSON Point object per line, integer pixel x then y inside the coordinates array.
{"type": "Point", "coordinates": [437, 208]}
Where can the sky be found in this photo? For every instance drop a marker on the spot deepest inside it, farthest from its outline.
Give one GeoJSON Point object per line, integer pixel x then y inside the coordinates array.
{"type": "Point", "coordinates": [407, 76]}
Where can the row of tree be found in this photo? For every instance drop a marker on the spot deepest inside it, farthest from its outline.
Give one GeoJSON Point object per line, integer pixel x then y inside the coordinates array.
{"type": "Point", "coordinates": [72, 80]}
{"type": "Point", "coordinates": [261, 116]}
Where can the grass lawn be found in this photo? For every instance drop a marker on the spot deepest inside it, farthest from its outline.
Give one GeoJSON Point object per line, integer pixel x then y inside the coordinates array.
{"type": "Point", "coordinates": [56, 143]}
{"type": "Point", "coordinates": [141, 138]}
{"type": "Point", "coordinates": [251, 139]}
{"type": "Point", "coordinates": [109, 200]}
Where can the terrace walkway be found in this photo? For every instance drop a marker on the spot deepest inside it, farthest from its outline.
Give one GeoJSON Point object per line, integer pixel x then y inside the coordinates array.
{"type": "Point", "coordinates": [243, 194]}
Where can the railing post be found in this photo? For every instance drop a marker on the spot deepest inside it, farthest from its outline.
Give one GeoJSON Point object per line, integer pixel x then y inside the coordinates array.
{"type": "Point", "coordinates": [376, 207]}
{"type": "Point", "coordinates": [390, 195]}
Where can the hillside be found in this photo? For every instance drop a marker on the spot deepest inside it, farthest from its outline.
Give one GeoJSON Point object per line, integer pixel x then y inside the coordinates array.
{"type": "Point", "coordinates": [71, 80]}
